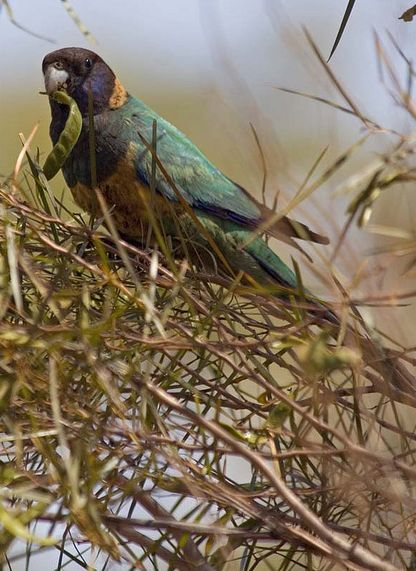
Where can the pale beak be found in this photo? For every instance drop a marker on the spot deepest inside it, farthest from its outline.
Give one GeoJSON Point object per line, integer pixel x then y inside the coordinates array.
{"type": "Point", "coordinates": [55, 79]}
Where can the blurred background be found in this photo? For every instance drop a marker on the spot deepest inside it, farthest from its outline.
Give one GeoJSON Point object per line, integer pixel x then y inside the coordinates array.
{"type": "Point", "coordinates": [213, 68]}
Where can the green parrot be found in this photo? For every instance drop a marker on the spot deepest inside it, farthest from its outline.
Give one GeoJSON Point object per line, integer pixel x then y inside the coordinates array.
{"type": "Point", "coordinates": [146, 167]}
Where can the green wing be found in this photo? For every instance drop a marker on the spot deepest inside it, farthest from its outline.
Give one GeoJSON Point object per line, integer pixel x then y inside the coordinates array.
{"type": "Point", "coordinates": [201, 184]}
{"type": "Point", "coordinates": [223, 208]}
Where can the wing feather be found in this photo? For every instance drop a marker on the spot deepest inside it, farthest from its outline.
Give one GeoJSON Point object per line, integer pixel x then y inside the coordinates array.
{"type": "Point", "coordinates": [202, 184]}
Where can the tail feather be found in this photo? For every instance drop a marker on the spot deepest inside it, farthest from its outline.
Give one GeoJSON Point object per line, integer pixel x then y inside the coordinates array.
{"type": "Point", "coordinates": [285, 228]}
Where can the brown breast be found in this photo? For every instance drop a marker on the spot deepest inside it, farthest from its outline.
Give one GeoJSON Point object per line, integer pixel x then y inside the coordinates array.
{"type": "Point", "coordinates": [130, 202]}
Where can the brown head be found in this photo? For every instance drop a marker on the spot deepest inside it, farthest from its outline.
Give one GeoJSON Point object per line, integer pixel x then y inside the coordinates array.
{"type": "Point", "coordinates": [80, 71]}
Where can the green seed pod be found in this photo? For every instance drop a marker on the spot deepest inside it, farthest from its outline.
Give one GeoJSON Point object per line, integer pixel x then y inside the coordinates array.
{"type": "Point", "coordinates": [67, 138]}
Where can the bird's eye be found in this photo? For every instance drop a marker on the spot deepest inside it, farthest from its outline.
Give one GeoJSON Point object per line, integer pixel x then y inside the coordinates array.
{"type": "Point", "coordinates": [58, 65]}
{"type": "Point", "coordinates": [88, 63]}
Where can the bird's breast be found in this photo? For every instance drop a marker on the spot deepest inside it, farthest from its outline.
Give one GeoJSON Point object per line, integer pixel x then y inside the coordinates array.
{"type": "Point", "coordinates": [130, 201]}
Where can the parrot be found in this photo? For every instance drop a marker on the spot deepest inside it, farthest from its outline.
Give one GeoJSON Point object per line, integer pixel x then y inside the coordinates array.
{"type": "Point", "coordinates": [147, 169]}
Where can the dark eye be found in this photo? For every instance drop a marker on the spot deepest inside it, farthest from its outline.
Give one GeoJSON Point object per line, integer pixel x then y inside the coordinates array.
{"type": "Point", "coordinates": [58, 65]}
{"type": "Point", "coordinates": [88, 63]}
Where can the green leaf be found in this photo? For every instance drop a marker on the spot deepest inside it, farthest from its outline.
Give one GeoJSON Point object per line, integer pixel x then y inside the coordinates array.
{"type": "Point", "coordinates": [319, 359]}
{"type": "Point", "coordinates": [278, 414]}
{"type": "Point", "coordinates": [342, 27]}
{"type": "Point", "coordinates": [15, 524]}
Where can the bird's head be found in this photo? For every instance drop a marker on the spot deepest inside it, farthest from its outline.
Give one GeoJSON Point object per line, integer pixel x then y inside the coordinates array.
{"type": "Point", "coordinates": [83, 74]}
